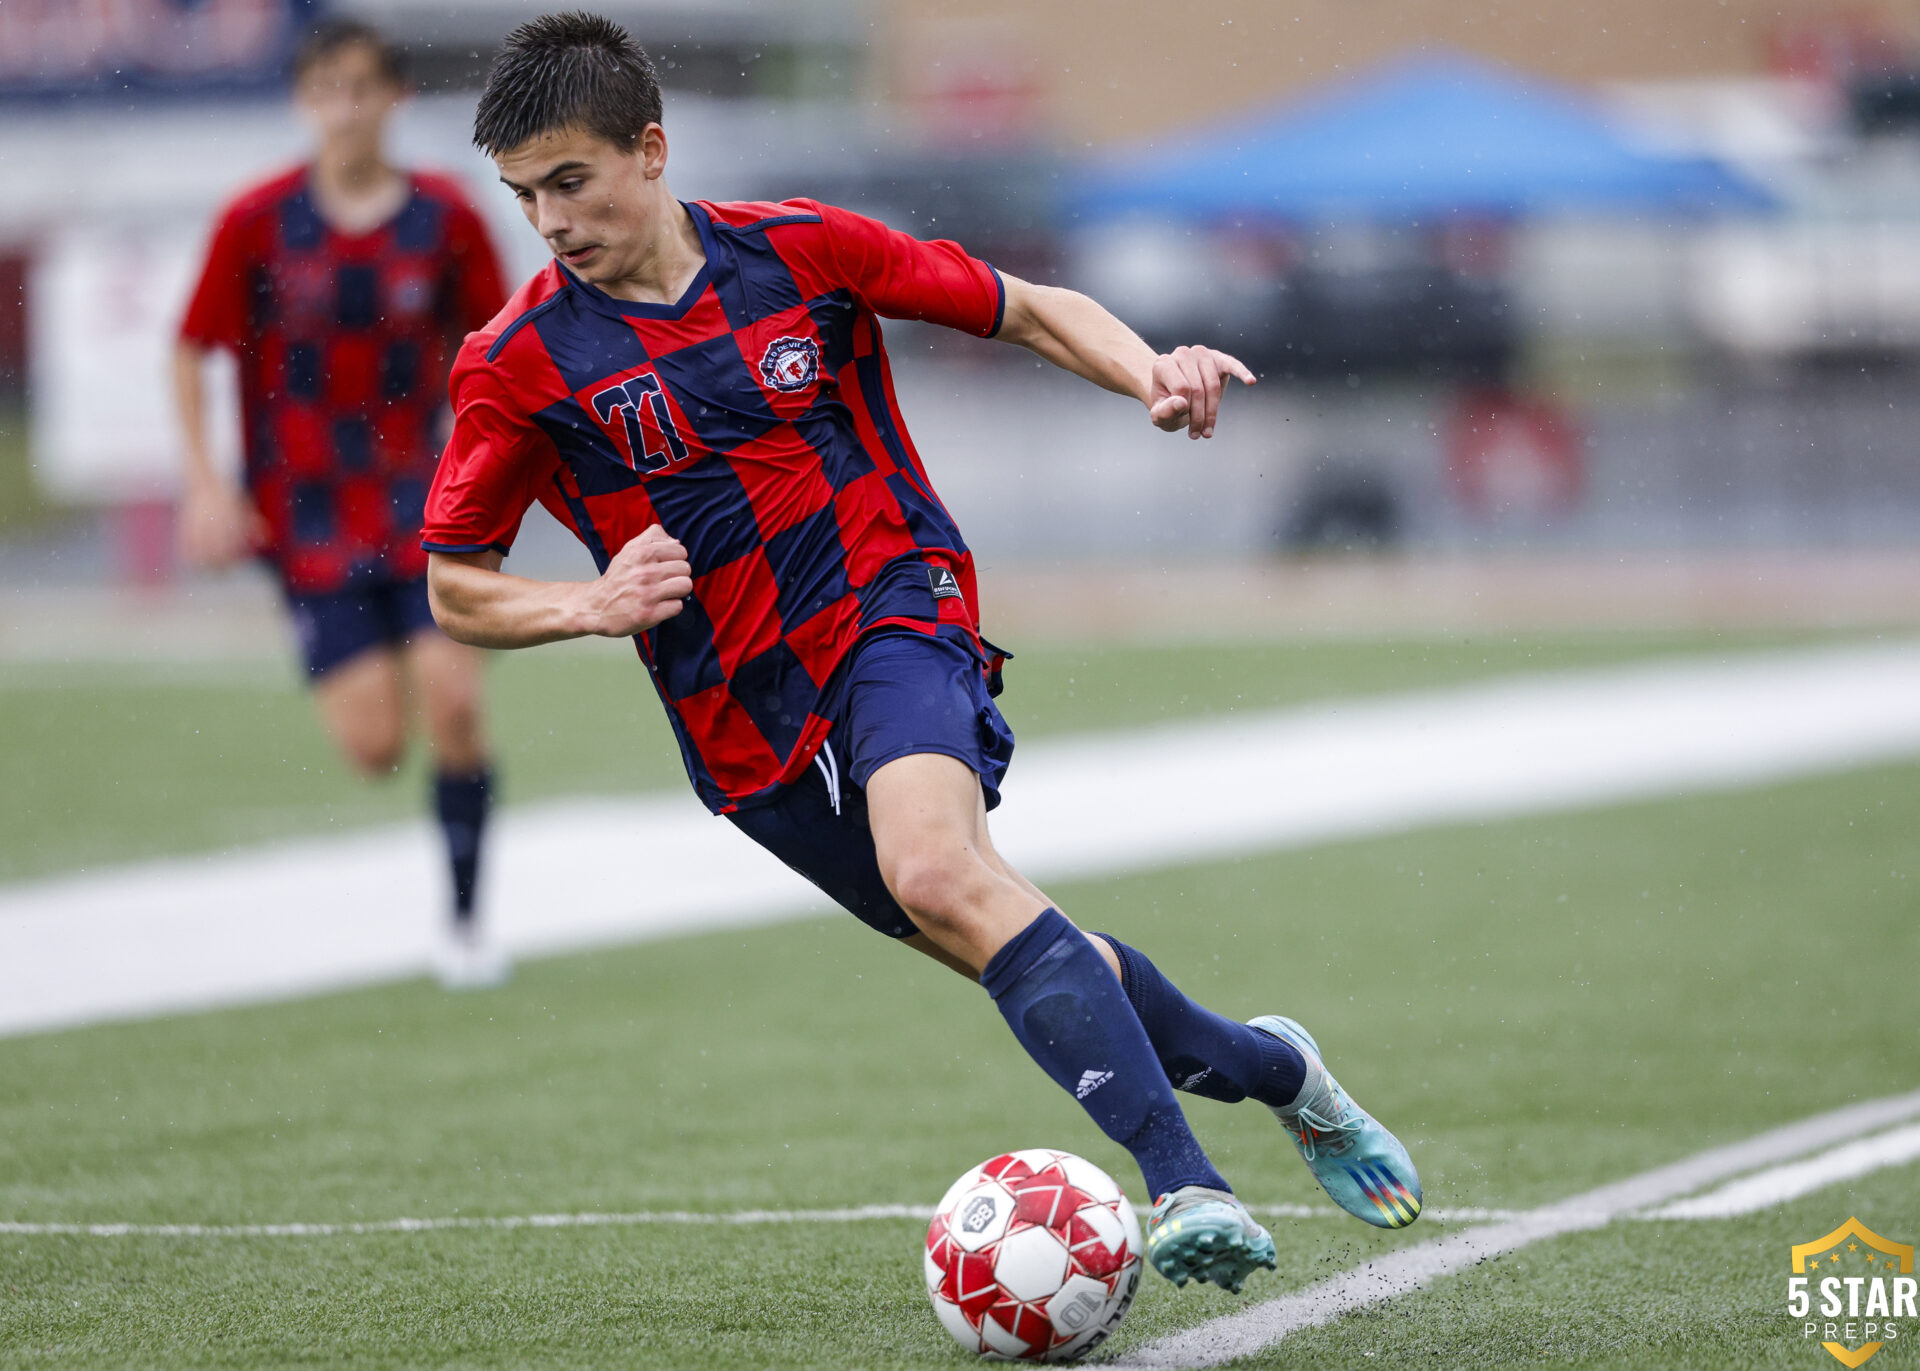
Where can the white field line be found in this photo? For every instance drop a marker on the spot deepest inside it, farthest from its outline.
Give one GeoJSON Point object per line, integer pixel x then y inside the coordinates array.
{"type": "Point", "coordinates": [1410, 1268]}
{"type": "Point", "coordinates": [297, 918]}
{"type": "Point", "coordinates": [507, 1221]}
{"type": "Point", "coordinates": [1751, 1193]}
{"type": "Point", "coordinates": [638, 1219]}
{"type": "Point", "coordinates": [1779, 1184]}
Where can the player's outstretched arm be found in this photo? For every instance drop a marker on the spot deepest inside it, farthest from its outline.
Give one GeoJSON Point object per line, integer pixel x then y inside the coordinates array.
{"type": "Point", "coordinates": [475, 602]}
{"type": "Point", "coordinates": [1181, 389]}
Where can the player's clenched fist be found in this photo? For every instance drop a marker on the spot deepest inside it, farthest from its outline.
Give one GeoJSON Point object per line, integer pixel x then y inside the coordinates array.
{"type": "Point", "coordinates": [644, 585]}
{"type": "Point", "coordinates": [1186, 388]}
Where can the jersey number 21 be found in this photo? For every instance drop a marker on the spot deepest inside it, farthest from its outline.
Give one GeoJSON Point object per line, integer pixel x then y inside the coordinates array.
{"type": "Point", "coordinates": [626, 399]}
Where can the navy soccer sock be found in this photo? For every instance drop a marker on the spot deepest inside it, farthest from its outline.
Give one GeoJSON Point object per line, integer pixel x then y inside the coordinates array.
{"type": "Point", "coordinates": [461, 804]}
{"type": "Point", "coordinates": [1204, 1053]}
{"type": "Point", "coordinates": [1061, 1001]}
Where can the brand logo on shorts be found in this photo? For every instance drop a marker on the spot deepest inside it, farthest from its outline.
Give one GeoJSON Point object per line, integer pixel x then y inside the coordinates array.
{"type": "Point", "coordinates": [945, 585]}
{"type": "Point", "coordinates": [1853, 1286]}
{"type": "Point", "coordinates": [977, 1215]}
{"type": "Point", "coordinates": [1091, 1081]}
{"type": "Point", "coordinates": [790, 363]}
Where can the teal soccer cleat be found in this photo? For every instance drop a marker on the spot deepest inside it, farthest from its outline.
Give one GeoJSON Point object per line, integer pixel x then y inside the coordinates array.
{"type": "Point", "coordinates": [1362, 1167]}
{"type": "Point", "coordinates": [1196, 1233]}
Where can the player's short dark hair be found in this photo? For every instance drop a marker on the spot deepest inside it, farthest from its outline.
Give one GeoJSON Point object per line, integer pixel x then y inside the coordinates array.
{"type": "Point", "coordinates": [335, 36]}
{"type": "Point", "coordinates": [562, 71]}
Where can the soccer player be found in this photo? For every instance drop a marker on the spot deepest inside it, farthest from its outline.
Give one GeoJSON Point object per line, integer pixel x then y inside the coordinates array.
{"type": "Point", "coordinates": [700, 391]}
{"type": "Point", "coordinates": [342, 287]}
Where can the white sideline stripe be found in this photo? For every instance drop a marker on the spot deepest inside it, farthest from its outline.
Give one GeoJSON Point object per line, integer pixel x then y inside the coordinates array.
{"type": "Point", "coordinates": [1750, 1194]}
{"type": "Point", "coordinates": [1410, 1268]}
{"type": "Point", "coordinates": [296, 918]}
{"type": "Point", "coordinates": [640, 1218]}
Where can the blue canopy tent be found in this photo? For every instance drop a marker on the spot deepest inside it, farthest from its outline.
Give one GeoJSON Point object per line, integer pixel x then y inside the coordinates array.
{"type": "Point", "coordinates": [1415, 140]}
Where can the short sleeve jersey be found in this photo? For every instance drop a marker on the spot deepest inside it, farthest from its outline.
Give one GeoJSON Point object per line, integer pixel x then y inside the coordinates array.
{"type": "Point", "coordinates": [754, 419]}
{"type": "Point", "coordinates": [344, 343]}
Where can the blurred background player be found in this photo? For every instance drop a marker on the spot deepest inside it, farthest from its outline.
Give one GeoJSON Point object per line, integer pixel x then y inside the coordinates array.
{"type": "Point", "coordinates": [343, 286]}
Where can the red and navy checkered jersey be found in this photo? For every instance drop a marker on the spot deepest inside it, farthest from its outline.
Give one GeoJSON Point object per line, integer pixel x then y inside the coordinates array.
{"type": "Point", "coordinates": [344, 343]}
{"type": "Point", "coordinates": [753, 419]}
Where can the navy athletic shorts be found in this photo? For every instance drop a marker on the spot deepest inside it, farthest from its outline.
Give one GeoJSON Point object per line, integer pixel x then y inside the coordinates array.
{"type": "Point", "coordinates": [898, 693]}
{"type": "Point", "coordinates": [344, 623]}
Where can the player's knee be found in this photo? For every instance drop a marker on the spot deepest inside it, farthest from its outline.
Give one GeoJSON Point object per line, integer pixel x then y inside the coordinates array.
{"type": "Point", "coordinates": [938, 885]}
{"type": "Point", "coordinates": [376, 755]}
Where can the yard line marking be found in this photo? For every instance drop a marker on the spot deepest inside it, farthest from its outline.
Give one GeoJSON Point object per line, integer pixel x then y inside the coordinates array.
{"type": "Point", "coordinates": [1408, 1269]}
{"type": "Point", "coordinates": [1779, 1184]}
{"type": "Point", "coordinates": [639, 1218]}
{"type": "Point", "coordinates": [300, 918]}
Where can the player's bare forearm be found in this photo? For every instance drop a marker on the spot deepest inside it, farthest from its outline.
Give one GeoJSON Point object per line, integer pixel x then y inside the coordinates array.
{"type": "Point", "coordinates": [189, 396]}
{"type": "Point", "coordinates": [218, 524]}
{"type": "Point", "coordinates": [1181, 389]}
{"type": "Point", "coordinates": [475, 602]}
{"type": "Point", "coordinates": [1078, 334]}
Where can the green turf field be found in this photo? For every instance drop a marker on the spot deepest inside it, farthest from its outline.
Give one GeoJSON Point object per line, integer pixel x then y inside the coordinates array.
{"type": "Point", "coordinates": [115, 761]}
{"type": "Point", "coordinates": [1538, 1006]}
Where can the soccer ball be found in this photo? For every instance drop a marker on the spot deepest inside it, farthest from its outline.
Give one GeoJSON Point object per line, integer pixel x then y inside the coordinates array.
{"type": "Point", "coordinates": [1033, 1256]}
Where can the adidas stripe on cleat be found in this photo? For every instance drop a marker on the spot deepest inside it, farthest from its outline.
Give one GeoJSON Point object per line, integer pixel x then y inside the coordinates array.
{"type": "Point", "coordinates": [1362, 1167]}
{"type": "Point", "coordinates": [1396, 1205]}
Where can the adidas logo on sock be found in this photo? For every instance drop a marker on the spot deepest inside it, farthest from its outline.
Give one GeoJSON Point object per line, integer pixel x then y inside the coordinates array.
{"type": "Point", "coordinates": [1091, 1081]}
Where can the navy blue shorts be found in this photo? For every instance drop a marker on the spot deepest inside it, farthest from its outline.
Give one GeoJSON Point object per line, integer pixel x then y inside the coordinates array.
{"type": "Point", "coordinates": [344, 623]}
{"type": "Point", "coordinates": [898, 694]}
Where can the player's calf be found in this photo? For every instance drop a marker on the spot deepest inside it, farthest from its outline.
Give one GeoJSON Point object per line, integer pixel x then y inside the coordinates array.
{"type": "Point", "coordinates": [446, 680]}
{"type": "Point", "coordinates": [360, 703]}
{"type": "Point", "coordinates": [1204, 1053]}
{"type": "Point", "coordinates": [1067, 1010]}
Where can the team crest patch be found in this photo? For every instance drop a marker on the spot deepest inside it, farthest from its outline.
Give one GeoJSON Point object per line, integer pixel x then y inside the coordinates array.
{"type": "Point", "coordinates": [791, 363]}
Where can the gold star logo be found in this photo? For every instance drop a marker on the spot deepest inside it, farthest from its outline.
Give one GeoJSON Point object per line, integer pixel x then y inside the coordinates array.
{"type": "Point", "coordinates": [1855, 1237]}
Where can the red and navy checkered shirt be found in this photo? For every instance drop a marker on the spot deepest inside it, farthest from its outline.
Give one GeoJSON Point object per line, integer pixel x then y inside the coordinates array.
{"type": "Point", "coordinates": [754, 419]}
{"type": "Point", "coordinates": [344, 342]}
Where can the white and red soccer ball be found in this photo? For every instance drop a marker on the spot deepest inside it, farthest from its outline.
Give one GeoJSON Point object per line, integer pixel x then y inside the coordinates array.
{"type": "Point", "coordinates": [1033, 1256]}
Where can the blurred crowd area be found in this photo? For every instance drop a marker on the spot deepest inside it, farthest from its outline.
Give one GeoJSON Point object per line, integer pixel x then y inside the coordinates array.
{"type": "Point", "coordinates": [1634, 282]}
